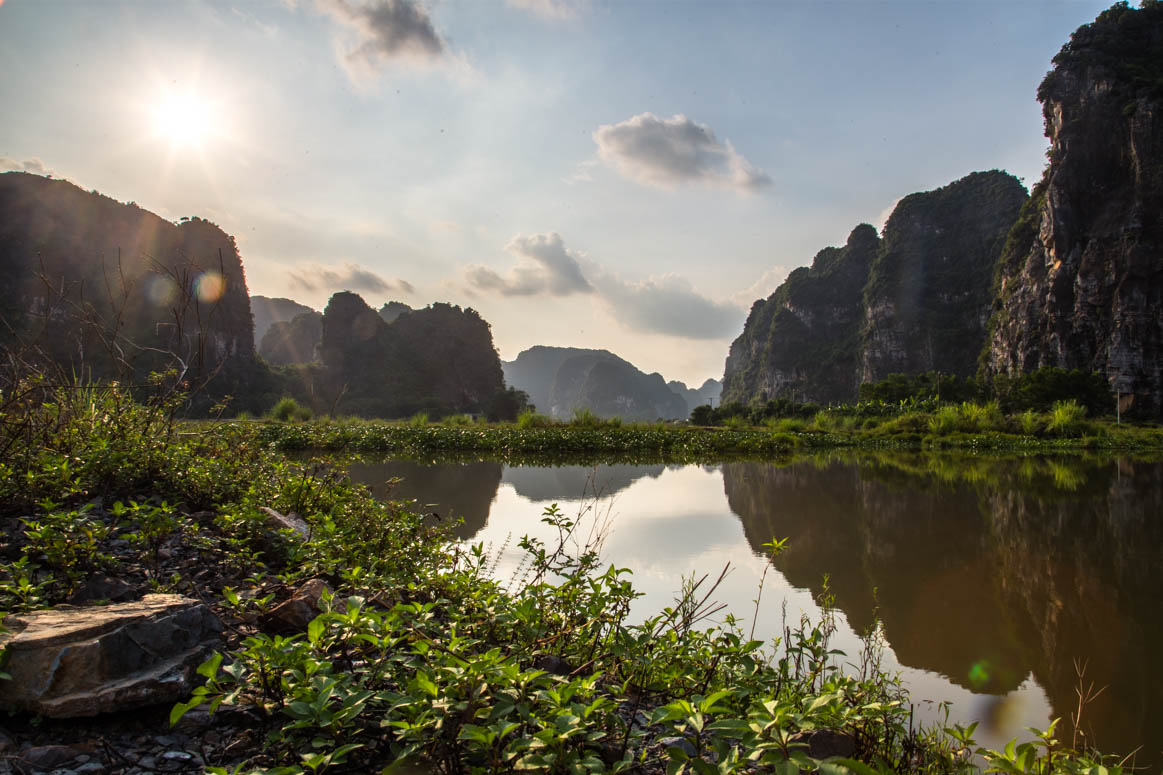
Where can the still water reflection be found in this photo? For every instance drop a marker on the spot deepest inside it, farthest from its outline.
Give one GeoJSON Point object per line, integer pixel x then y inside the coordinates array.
{"type": "Point", "coordinates": [995, 579]}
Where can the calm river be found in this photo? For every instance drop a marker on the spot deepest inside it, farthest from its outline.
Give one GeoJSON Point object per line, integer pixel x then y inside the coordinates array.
{"type": "Point", "coordinates": [998, 580]}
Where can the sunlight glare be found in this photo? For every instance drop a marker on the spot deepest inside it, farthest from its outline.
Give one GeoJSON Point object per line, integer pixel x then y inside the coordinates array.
{"type": "Point", "coordinates": [183, 119]}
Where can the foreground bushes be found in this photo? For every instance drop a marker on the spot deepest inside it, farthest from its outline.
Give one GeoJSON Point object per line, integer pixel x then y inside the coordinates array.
{"type": "Point", "coordinates": [420, 657]}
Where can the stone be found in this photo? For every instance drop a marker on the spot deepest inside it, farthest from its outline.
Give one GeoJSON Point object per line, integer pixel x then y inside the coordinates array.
{"type": "Point", "coordinates": [288, 521]}
{"type": "Point", "coordinates": [48, 757]}
{"type": "Point", "coordinates": [295, 614]}
{"type": "Point", "coordinates": [826, 743]}
{"type": "Point", "coordinates": [73, 661]}
{"type": "Point", "coordinates": [678, 742]}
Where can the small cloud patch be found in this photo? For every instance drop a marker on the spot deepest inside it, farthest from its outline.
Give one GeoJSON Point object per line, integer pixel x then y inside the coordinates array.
{"type": "Point", "coordinates": [349, 277]}
{"type": "Point", "coordinates": [544, 266]}
{"type": "Point", "coordinates": [670, 152]}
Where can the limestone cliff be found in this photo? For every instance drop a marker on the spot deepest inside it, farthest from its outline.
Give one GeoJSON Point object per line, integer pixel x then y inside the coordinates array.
{"type": "Point", "coordinates": [110, 290]}
{"type": "Point", "coordinates": [802, 342]}
{"type": "Point", "coordinates": [915, 300]}
{"type": "Point", "coordinates": [267, 311]}
{"type": "Point", "coordinates": [1080, 283]}
{"type": "Point", "coordinates": [559, 380]}
{"type": "Point", "coordinates": [929, 290]}
{"type": "Point", "coordinates": [439, 360]}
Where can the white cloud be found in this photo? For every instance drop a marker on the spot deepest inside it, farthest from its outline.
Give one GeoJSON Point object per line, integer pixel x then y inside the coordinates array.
{"type": "Point", "coordinates": [667, 305]}
{"type": "Point", "coordinates": [380, 32]}
{"type": "Point", "coordinates": [543, 266]}
{"type": "Point", "coordinates": [33, 165]}
{"type": "Point", "coordinates": [674, 151]}
{"type": "Point", "coordinates": [349, 277]}
{"type": "Point", "coordinates": [551, 9]}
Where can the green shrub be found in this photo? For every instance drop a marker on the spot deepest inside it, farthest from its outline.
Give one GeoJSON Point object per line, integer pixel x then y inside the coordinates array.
{"type": "Point", "coordinates": [418, 420]}
{"type": "Point", "coordinates": [1066, 419]}
{"type": "Point", "coordinates": [530, 418]}
{"type": "Point", "coordinates": [584, 417]}
{"type": "Point", "coordinates": [945, 420]}
{"type": "Point", "coordinates": [287, 409]}
{"type": "Point", "coordinates": [1031, 423]}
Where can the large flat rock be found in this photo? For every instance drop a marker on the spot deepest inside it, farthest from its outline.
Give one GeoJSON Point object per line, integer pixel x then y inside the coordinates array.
{"type": "Point", "coordinates": [82, 661]}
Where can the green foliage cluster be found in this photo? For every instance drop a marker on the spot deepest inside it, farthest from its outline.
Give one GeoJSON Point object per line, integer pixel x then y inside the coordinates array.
{"type": "Point", "coordinates": [1122, 41]}
{"type": "Point", "coordinates": [287, 409]}
{"type": "Point", "coordinates": [422, 657]}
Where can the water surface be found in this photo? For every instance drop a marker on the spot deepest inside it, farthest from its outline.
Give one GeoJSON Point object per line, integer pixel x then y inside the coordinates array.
{"type": "Point", "coordinates": [997, 580]}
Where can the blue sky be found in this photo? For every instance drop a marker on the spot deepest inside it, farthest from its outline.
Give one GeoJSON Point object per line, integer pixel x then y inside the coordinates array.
{"type": "Point", "coordinates": [623, 175]}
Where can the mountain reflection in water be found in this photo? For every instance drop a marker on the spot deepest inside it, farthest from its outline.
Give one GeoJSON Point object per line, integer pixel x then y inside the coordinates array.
{"type": "Point", "coordinates": [984, 571]}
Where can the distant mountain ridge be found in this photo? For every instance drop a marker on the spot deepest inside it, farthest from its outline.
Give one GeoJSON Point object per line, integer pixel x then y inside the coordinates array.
{"type": "Point", "coordinates": [560, 380]}
{"type": "Point", "coordinates": [269, 310]}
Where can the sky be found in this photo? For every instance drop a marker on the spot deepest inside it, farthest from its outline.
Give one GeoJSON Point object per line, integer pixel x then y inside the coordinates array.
{"type": "Point", "coordinates": [621, 175]}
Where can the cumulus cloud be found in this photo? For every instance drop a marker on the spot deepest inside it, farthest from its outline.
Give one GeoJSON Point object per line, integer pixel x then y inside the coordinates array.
{"type": "Point", "coordinates": [551, 9]}
{"type": "Point", "coordinates": [669, 152]}
{"type": "Point", "coordinates": [33, 165]}
{"type": "Point", "coordinates": [383, 31]}
{"type": "Point", "coordinates": [349, 277]}
{"type": "Point", "coordinates": [543, 266]}
{"type": "Point", "coordinates": [669, 305]}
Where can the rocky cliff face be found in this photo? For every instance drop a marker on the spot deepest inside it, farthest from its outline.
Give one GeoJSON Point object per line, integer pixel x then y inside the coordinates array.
{"type": "Point", "coordinates": [1080, 284]}
{"type": "Point", "coordinates": [293, 341]}
{"type": "Point", "coordinates": [113, 291]}
{"type": "Point", "coordinates": [270, 310]}
{"type": "Point", "coordinates": [559, 380]}
{"type": "Point", "coordinates": [802, 342]}
{"type": "Point", "coordinates": [439, 360]}
{"type": "Point", "coordinates": [915, 300]}
{"type": "Point", "coordinates": [710, 392]}
{"type": "Point", "coordinates": [929, 290]}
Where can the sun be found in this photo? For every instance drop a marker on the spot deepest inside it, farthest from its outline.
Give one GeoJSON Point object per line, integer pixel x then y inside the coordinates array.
{"type": "Point", "coordinates": [183, 119]}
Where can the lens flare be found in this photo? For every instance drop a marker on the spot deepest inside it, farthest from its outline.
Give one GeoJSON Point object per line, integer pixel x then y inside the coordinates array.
{"type": "Point", "coordinates": [209, 287]}
{"type": "Point", "coordinates": [161, 290]}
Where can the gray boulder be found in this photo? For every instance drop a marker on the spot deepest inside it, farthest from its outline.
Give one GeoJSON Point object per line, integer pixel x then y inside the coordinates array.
{"type": "Point", "coordinates": [70, 661]}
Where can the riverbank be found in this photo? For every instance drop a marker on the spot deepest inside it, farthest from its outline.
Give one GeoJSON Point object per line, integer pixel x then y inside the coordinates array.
{"type": "Point", "coordinates": [406, 650]}
{"type": "Point", "coordinates": [616, 442]}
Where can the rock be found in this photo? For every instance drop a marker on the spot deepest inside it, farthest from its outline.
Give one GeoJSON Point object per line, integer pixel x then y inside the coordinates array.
{"type": "Point", "coordinates": [295, 614]}
{"type": "Point", "coordinates": [289, 521]}
{"type": "Point", "coordinates": [102, 588]}
{"type": "Point", "coordinates": [552, 663]}
{"type": "Point", "coordinates": [826, 743]}
{"type": "Point", "coordinates": [48, 757]}
{"type": "Point", "coordinates": [679, 742]}
{"type": "Point", "coordinates": [70, 661]}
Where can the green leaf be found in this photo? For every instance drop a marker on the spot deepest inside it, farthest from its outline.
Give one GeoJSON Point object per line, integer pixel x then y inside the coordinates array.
{"type": "Point", "coordinates": [316, 628]}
